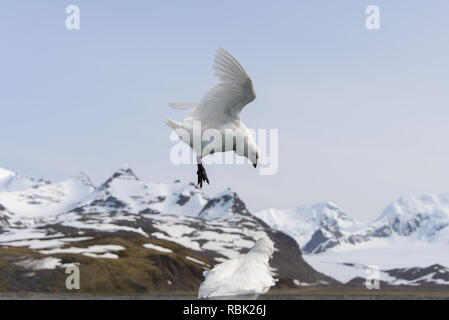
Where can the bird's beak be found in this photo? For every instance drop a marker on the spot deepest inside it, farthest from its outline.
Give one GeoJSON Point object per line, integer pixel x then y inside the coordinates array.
{"type": "Point", "coordinates": [255, 164]}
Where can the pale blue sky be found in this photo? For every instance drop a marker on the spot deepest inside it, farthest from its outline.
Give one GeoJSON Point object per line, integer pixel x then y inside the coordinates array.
{"type": "Point", "coordinates": [362, 115]}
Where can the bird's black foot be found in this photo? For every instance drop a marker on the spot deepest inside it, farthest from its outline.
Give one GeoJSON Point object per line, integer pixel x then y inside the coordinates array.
{"type": "Point", "coordinates": [202, 176]}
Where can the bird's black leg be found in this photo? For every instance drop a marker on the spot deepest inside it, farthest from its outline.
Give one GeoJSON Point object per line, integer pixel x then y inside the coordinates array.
{"type": "Point", "coordinates": [202, 176]}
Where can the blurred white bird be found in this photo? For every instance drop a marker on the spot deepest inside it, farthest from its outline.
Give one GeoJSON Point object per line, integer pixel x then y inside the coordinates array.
{"type": "Point", "coordinates": [246, 276]}
{"type": "Point", "coordinates": [220, 110]}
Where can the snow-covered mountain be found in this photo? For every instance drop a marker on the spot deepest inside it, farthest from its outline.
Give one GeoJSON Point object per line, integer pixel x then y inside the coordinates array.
{"type": "Point", "coordinates": [175, 219]}
{"type": "Point", "coordinates": [224, 206]}
{"type": "Point", "coordinates": [123, 192]}
{"type": "Point", "coordinates": [412, 232]}
{"type": "Point", "coordinates": [44, 198]}
{"type": "Point", "coordinates": [315, 227]}
{"type": "Point", "coordinates": [11, 181]}
{"type": "Point", "coordinates": [323, 226]}
{"type": "Point", "coordinates": [421, 217]}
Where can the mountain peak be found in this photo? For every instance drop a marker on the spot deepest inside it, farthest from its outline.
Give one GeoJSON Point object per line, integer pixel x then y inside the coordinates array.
{"type": "Point", "coordinates": [11, 181]}
{"type": "Point", "coordinates": [322, 210]}
{"type": "Point", "coordinates": [6, 173]}
{"type": "Point", "coordinates": [409, 206]}
{"type": "Point", "coordinates": [422, 215]}
{"type": "Point", "coordinates": [124, 173]}
{"type": "Point", "coordinates": [84, 179]}
{"type": "Point", "coordinates": [224, 205]}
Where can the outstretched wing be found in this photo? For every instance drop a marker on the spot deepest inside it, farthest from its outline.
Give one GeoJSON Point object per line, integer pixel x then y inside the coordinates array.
{"type": "Point", "coordinates": [225, 101]}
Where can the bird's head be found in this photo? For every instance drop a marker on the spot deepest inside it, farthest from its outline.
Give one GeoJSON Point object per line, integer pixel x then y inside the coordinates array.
{"type": "Point", "coordinates": [253, 154]}
{"type": "Point", "coordinates": [247, 147]}
{"type": "Point", "coordinates": [256, 157]}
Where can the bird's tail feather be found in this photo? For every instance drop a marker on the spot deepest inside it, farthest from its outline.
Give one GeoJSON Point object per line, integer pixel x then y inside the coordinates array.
{"type": "Point", "coordinates": [183, 105]}
{"type": "Point", "coordinates": [173, 124]}
{"type": "Point", "coordinates": [182, 129]}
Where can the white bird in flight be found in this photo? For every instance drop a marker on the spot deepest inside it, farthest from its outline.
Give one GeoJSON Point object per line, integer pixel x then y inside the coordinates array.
{"type": "Point", "coordinates": [219, 110]}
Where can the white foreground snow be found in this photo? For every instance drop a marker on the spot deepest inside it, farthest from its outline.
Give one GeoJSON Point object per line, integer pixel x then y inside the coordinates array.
{"type": "Point", "coordinates": [386, 253]}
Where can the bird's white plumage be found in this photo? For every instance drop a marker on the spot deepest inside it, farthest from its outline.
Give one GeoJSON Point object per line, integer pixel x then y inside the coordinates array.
{"type": "Point", "coordinates": [244, 276]}
{"type": "Point", "coordinates": [223, 102]}
{"type": "Point", "coordinates": [220, 110]}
